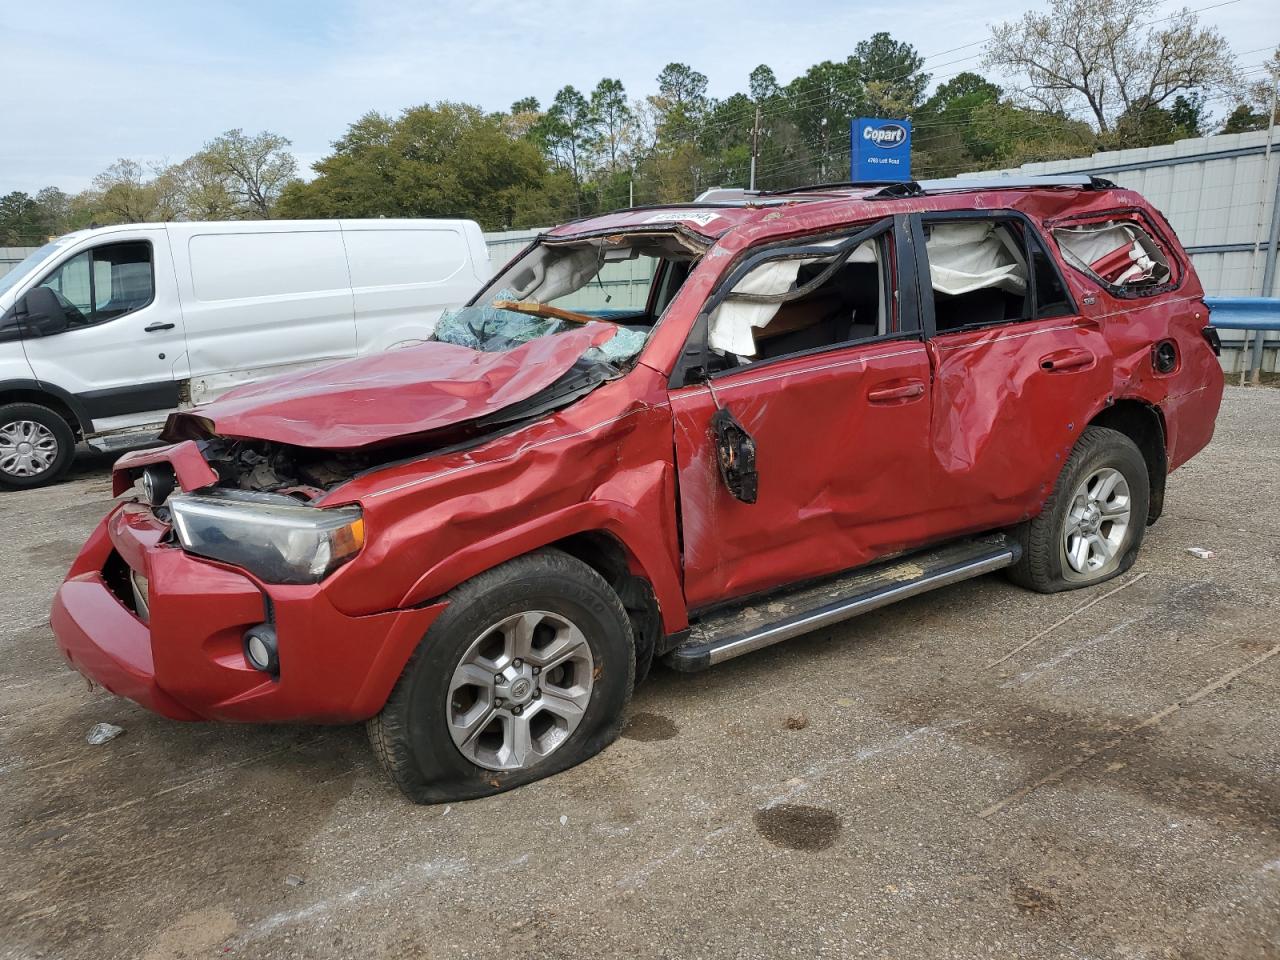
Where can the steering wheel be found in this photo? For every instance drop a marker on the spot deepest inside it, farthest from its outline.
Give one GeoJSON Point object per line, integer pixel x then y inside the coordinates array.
{"type": "Point", "coordinates": [546, 310]}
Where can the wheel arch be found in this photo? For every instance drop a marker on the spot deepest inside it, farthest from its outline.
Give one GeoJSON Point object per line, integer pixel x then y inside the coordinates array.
{"type": "Point", "coordinates": [609, 537]}
{"type": "Point", "coordinates": [1142, 423]}
{"type": "Point", "coordinates": [59, 401]}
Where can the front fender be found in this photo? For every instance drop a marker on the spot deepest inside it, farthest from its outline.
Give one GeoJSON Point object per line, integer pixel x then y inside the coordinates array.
{"type": "Point", "coordinates": [646, 548]}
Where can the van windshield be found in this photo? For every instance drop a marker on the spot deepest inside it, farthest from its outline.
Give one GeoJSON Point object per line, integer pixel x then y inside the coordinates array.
{"type": "Point", "coordinates": [625, 280]}
{"type": "Point", "coordinates": [21, 269]}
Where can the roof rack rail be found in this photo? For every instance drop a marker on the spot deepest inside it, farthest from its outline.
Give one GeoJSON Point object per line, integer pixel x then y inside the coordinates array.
{"type": "Point", "coordinates": [819, 187]}
{"type": "Point", "coordinates": [914, 188]}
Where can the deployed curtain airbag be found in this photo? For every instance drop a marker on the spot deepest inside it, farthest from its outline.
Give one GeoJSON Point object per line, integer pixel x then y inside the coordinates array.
{"type": "Point", "coordinates": [969, 256]}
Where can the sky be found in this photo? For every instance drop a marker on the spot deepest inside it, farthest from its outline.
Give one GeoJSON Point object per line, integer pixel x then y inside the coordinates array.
{"type": "Point", "coordinates": [88, 83]}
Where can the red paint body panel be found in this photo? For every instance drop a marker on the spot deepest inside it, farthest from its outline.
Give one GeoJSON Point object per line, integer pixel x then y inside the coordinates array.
{"type": "Point", "coordinates": [842, 480]}
{"type": "Point", "coordinates": [192, 470]}
{"type": "Point", "coordinates": [392, 396]}
{"type": "Point", "coordinates": [862, 451]}
{"type": "Point", "coordinates": [187, 663]}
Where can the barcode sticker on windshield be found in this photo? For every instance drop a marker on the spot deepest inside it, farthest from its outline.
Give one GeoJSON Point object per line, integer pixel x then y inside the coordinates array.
{"type": "Point", "coordinates": [701, 217]}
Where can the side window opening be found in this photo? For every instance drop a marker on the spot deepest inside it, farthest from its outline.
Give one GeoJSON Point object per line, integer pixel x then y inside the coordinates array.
{"type": "Point", "coordinates": [1052, 299]}
{"type": "Point", "coordinates": [104, 283]}
{"type": "Point", "coordinates": [991, 271]}
{"type": "Point", "coordinates": [1118, 253]}
{"type": "Point", "coordinates": [792, 305]}
{"type": "Point", "coordinates": [978, 272]}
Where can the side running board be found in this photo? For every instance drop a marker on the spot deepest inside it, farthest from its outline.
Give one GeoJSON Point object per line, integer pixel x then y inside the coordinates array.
{"type": "Point", "coordinates": [724, 635]}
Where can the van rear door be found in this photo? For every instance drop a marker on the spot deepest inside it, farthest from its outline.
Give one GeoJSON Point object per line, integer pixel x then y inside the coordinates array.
{"type": "Point", "coordinates": [261, 298]}
{"type": "Point", "coordinates": [405, 273]}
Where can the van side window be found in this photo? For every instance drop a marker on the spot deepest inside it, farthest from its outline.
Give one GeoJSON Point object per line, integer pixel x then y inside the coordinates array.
{"type": "Point", "coordinates": [1119, 253]}
{"type": "Point", "coordinates": [789, 305]}
{"type": "Point", "coordinates": [991, 270]}
{"type": "Point", "coordinates": [105, 282]}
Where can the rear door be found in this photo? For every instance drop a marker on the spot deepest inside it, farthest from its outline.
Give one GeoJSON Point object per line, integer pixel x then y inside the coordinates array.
{"type": "Point", "coordinates": [125, 353]}
{"type": "Point", "coordinates": [833, 393]}
{"type": "Point", "coordinates": [1017, 370]}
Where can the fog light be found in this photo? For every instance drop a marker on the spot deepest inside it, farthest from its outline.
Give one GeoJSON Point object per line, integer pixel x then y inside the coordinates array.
{"type": "Point", "coordinates": [158, 482]}
{"type": "Point", "coordinates": [260, 648]}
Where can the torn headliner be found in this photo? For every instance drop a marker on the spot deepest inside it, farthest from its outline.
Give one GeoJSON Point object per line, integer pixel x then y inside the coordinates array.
{"type": "Point", "coordinates": [369, 401]}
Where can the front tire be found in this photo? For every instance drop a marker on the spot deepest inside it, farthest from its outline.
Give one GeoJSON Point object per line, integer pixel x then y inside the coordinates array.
{"type": "Point", "coordinates": [36, 446]}
{"type": "Point", "coordinates": [525, 674]}
{"type": "Point", "coordinates": [1092, 525]}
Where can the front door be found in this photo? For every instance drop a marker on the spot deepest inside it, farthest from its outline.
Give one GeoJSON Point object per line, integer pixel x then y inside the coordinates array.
{"type": "Point", "coordinates": [819, 361]}
{"type": "Point", "coordinates": [125, 351]}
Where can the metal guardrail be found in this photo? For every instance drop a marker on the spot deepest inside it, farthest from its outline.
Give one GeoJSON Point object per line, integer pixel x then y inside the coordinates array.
{"type": "Point", "coordinates": [1244, 313]}
{"type": "Point", "coordinates": [1256, 315]}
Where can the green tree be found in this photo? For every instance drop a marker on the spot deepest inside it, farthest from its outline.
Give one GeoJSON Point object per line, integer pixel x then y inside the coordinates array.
{"type": "Point", "coordinates": [612, 114]}
{"type": "Point", "coordinates": [681, 103]}
{"type": "Point", "coordinates": [891, 72]}
{"type": "Point", "coordinates": [1244, 119]}
{"type": "Point", "coordinates": [256, 168]}
{"type": "Point", "coordinates": [20, 221]}
{"type": "Point", "coordinates": [441, 160]}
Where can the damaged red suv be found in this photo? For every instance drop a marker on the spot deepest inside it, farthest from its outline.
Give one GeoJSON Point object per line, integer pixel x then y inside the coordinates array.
{"type": "Point", "coordinates": [650, 421]}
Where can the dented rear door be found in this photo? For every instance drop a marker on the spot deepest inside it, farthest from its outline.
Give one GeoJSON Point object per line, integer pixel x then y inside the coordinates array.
{"type": "Point", "coordinates": [1010, 397]}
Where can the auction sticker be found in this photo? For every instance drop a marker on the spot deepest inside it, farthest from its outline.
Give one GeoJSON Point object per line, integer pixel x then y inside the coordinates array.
{"type": "Point", "coordinates": [700, 217]}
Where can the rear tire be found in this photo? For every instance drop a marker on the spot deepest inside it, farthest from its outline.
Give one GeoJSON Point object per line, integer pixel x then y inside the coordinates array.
{"type": "Point", "coordinates": [470, 716]}
{"type": "Point", "coordinates": [37, 446]}
{"type": "Point", "coordinates": [1092, 525]}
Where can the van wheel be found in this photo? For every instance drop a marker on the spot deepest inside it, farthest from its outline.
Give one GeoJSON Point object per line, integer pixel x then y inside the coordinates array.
{"type": "Point", "coordinates": [1092, 526]}
{"type": "Point", "coordinates": [525, 674]}
{"type": "Point", "coordinates": [36, 445]}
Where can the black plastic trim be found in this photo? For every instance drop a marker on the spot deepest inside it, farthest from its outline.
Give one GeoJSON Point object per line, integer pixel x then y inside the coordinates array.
{"type": "Point", "coordinates": [135, 398]}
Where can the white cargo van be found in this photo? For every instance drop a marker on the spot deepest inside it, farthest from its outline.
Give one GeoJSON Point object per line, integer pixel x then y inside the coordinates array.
{"type": "Point", "coordinates": [104, 332]}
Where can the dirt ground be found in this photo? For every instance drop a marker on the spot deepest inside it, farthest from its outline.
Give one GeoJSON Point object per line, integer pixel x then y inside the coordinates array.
{"type": "Point", "coordinates": [978, 772]}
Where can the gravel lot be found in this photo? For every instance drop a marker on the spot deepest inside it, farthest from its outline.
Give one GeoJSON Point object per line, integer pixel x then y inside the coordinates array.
{"type": "Point", "coordinates": [979, 772]}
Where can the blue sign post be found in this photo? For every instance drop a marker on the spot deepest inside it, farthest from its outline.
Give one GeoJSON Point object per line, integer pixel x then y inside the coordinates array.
{"type": "Point", "coordinates": [881, 150]}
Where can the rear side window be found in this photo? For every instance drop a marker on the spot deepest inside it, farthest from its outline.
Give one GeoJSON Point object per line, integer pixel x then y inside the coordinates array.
{"type": "Point", "coordinates": [388, 258]}
{"type": "Point", "coordinates": [989, 271]}
{"type": "Point", "coordinates": [105, 282]}
{"type": "Point", "coordinates": [239, 266]}
{"type": "Point", "coordinates": [1119, 253]}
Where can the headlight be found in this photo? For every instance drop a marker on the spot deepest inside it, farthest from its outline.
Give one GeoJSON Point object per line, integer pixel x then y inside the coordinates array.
{"type": "Point", "coordinates": [272, 536]}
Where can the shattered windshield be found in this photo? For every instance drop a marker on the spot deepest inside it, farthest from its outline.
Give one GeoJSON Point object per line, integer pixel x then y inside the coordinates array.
{"type": "Point", "coordinates": [626, 281]}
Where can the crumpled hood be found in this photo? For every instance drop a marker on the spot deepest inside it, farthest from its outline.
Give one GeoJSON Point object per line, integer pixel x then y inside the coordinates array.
{"type": "Point", "coordinates": [390, 396]}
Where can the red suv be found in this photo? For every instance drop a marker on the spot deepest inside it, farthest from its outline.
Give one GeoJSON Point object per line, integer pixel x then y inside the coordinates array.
{"type": "Point", "coordinates": [684, 432]}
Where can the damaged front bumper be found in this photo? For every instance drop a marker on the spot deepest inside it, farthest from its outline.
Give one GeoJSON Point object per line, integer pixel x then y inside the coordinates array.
{"type": "Point", "coordinates": [180, 652]}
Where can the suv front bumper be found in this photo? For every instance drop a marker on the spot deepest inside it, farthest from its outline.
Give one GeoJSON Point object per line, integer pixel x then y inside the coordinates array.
{"type": "Point", "coordinates": [185, 659]}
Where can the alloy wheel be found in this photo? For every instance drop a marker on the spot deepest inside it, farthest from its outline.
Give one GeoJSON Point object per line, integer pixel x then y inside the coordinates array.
{"type": "Point", "coordinates": [1096, 524]}
{"type": "Point", "coordinates": [520, 690]}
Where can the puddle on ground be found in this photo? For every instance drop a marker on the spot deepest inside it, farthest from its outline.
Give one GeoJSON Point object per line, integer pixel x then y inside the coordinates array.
{"type": "Point", "coordinates": [798, 827]}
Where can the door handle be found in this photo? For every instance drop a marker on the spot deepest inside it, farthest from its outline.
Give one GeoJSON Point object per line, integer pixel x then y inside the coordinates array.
{"type": "Point", "coordinates": [1066, 360]}
{"type": "Point", "coordinates": [153, 327]}
{"type": "Point", "coordinates": [907, 390]}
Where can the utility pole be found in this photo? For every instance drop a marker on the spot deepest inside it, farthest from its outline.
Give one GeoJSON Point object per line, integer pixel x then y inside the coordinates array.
{"type": "Point", "coordinates": [755, 147]}
{"type": "Point", "coordinates": [1269, 271]}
